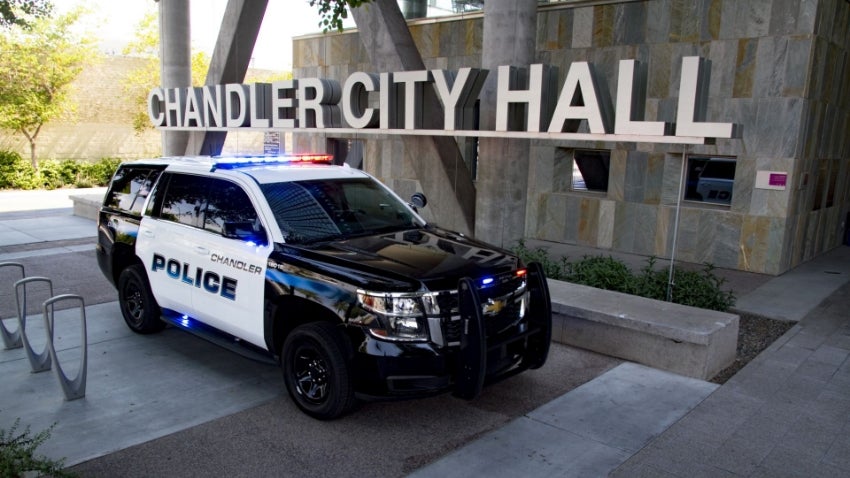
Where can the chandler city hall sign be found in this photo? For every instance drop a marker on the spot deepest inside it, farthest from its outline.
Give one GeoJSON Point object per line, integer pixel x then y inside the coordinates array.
{"type": "Point", "coordinates": [316, 104]}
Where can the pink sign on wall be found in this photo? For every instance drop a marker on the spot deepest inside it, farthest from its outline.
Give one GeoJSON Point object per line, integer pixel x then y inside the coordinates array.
{"type": "Point", "coordinates": [777, 180]}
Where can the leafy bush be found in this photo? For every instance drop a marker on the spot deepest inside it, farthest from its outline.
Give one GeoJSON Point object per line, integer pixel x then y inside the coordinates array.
{"type": "Point", "coordinates": [603, 273]}
{"type": "Point", "coordinates": [100, 173]}
{"type": "Point", "coordinates": [17, 173]}
{"type": "Point", "coordinates": [701, 288]}
{"type": "Point", "coordinates": [553, 269]}
{"type": "Point", "coordinates": [17, 454]}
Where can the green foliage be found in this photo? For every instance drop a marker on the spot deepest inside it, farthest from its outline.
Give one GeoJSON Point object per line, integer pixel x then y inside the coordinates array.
{"type": "Point", "coordinates": [700, 288]}
{"type": "Point", "coordinates": [37, 67]}
{"type": "Point", "coordinates": [553, 269]}
{"type": "Point", "coordinates": [333, 12]}
{"type": "Point", "coordinates": [17, 173]}
{"type": "Point", "coordinates": [21, 12]}
{"type": "Point", "coordinates": [17, 454]}
{"type": "Point", "coordinates": [100, 172]}
{"type": "Point", "coordinates": [602, 273]}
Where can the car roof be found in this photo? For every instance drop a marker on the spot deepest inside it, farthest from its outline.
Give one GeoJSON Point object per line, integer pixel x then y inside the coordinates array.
{"type": "Point", "coordinates": [264, 169]}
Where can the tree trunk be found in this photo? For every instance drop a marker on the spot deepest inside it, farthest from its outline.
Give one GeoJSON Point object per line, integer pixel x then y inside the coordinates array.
{"type": "Point", "coordinates": [33, 157]}
{"type": "Point", "coordinates": [31, 139]}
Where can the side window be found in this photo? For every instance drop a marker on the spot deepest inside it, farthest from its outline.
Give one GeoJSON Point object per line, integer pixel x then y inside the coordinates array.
{"type": "Point", "coordinates": [229, 212]}
{"type": "Point", "coordinates": [184, 200]}
{"type": "Point", "coordinates": [129, 188]}
{"type": "Point", "coordinates": [211, 204]}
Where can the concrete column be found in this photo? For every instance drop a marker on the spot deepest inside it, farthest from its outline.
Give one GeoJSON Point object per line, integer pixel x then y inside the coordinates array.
{"type": "Point", "coordinates": [437, 161]}
{"type": "Point", "coordinates": [231, 58]}
{"type": "Point", "coordinates": [175, 61]}
{"type": "Point", "coordinates": [510, 30]}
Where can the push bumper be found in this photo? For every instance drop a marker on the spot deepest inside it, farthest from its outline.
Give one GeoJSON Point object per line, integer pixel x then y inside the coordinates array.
{"type": "Point", "coordinates": [401, 369]}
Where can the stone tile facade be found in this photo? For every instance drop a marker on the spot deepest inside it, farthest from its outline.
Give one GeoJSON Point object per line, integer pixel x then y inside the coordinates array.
{"type": "Point", "coordinates": [779, 68]}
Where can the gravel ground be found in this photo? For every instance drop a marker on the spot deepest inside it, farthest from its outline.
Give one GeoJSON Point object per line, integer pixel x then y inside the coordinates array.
{"type": "Point", "coordinates": [755, 334]}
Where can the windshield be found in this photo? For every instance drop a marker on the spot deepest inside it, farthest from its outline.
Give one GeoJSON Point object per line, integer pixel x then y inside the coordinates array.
{"type": "Point", "coordinates": [326, 209]}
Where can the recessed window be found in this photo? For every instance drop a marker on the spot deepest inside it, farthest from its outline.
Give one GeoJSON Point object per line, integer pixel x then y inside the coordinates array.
{"type": "Point", "coordinates": [346, 151]}
{"type": "Point", "coordinates": [710, 179]}
{"type": "Point", "coordinates": [825, 186]}
{"type": "Point", "coordinates": [590, 170]}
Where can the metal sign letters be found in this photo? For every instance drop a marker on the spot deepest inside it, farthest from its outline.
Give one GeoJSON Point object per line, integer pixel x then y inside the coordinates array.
{"type": "Point", "coordinates": [392, 103]}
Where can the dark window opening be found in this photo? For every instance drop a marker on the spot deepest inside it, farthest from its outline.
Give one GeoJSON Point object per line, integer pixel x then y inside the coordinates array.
{"type": "Point", "coordinates": [710, 179]}
{"type": "Point", "coordinates": [346, 151]}
{"type": "Point", "coordinates": [590, 170]}
{"type": "Point", "coordinates": [827, 176]}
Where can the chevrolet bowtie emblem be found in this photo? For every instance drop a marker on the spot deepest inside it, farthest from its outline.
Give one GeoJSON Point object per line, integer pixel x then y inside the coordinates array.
{"type": "Point", "coordinates": [493, 307]}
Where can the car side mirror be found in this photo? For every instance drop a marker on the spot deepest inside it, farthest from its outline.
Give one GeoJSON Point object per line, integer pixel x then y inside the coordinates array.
{"type": "Point", "coordinates": [418, 200]}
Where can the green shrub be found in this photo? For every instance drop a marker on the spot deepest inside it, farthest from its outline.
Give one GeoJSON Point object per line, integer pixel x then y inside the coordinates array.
{"type": "Point", "coordinates": [16, 172]}
{"type": "Point", "coordinates": [17, 454]}
{"type": "Point", "coordinates": [100, 172]}
{"type": "Point", "coordinates": [553, 269]}
{"type": "Point", "coordinates": [52, 174]}
{"type": "Point", "coordinates": [701, 288]}
{"type": "Point", "coordinates": [603, 273]}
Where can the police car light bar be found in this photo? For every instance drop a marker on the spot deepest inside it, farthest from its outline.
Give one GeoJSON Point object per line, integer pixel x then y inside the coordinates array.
{"type": "Point", "coordinates": [244, 161]}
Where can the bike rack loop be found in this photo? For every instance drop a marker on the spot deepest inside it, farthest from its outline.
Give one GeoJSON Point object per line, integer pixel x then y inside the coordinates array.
{"type": "Point", "coordinates": [76, 388]}
{"type": "Point", "coordinates": [38, 362]}
{"type": "Point", "coordinates": [11, 339]}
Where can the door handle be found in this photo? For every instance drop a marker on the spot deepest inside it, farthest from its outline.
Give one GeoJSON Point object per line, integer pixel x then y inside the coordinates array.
{"type": "Point", "coordinates": [147, 233]}
{"type": "Point", "coordinates": [202, 250]}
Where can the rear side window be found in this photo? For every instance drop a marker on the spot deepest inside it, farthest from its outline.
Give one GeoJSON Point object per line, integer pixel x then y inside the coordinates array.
{"type": "Point", "coordinates": [129, 189]}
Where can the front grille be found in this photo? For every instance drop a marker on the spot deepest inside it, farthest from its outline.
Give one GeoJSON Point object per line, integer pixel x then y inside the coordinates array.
{"type": "Point", "coordinates": [500, 303]}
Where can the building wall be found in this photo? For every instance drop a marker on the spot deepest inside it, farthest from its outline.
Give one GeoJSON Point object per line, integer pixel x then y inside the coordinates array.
{"type": "Point", "coordinates": [779, 68]}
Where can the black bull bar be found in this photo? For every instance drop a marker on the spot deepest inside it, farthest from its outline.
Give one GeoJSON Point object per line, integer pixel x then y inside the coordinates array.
{"type": "Point", "coordinates": [471, 373]}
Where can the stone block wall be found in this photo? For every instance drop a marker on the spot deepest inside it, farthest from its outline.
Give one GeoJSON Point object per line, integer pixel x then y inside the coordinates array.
{"type": "Point", "coordinates": [774, 67]}
{"type": "Point", "coordinates": [779, 69]}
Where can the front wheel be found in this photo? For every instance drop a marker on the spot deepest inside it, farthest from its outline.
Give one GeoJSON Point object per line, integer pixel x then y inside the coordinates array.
{"type": "Point", "coordinates": [316, 370]}
{"type": "Point", "coordinates": [138, 305]}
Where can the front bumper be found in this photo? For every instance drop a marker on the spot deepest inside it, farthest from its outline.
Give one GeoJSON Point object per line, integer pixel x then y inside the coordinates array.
{"type": "Point", "coordinates": [405, 369]}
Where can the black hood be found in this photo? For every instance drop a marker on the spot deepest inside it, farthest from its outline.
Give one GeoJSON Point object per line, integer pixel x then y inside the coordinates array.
{"type": "Point", "coordinates": [406, 259]}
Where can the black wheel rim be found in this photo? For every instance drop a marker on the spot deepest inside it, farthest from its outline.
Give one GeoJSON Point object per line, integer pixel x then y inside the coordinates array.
{"type": "Point", "coordinates": [311, 374]}
{"type": "Point", "coordinates": [134, 303]}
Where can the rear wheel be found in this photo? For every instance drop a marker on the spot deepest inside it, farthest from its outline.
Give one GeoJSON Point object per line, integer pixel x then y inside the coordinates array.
{"type": "Point", "coordinates": [316, 370]}
{"type": "Point", "coordinates": [138, 305]}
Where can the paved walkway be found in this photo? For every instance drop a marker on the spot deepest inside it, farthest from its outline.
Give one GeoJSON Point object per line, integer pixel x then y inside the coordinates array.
{"type": "Point", "coordinates": [787, 413]}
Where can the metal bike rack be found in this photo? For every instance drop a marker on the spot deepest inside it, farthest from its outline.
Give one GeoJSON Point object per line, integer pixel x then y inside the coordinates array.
{"type": "Point", "coordinates": [11, 339]}
{"type": "Point", "coordinates": [76, 388]}
{"type": "Point", "coordinates": [41, 361]}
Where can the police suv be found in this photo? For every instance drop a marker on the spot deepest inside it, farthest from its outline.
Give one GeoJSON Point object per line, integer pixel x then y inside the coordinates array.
{"type": "Point", "coordinates": [322, 269]}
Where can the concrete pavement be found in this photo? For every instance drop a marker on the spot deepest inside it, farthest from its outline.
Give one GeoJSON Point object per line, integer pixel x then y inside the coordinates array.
{"type": "Point", "coordinates": [786, 413]}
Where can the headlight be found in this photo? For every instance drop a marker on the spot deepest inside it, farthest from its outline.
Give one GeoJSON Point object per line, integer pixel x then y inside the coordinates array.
{"type": "Point", "coordinates": [401, 316]}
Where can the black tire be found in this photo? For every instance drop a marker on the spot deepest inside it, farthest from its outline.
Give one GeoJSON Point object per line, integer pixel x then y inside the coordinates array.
{"type": "Point", "coordinates": [315, 362]}
{"type": "Point", "coordinates": [138, 305]}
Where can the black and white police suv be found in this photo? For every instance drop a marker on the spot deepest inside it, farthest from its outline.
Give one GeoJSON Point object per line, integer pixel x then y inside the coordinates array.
{"type": "Point", "coordinates": [322, 269]}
